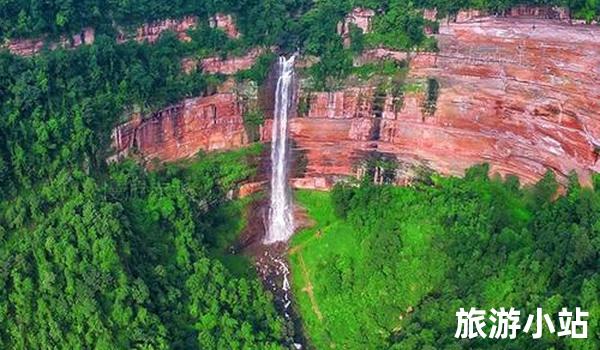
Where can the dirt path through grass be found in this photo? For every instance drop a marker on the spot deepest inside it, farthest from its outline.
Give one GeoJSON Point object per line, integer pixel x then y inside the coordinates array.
{"type": "Point", "coordinates": [308, 288]}
{"type": "Point", "coordinates": [301, 246]}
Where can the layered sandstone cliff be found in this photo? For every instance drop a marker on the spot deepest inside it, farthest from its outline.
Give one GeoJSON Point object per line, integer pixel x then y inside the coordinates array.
{"type": "Point", "coordinates": [519, 93]}
{"type": "Point", "coordinates": [150, 32]}
{"type": "Point", "coordinates": [359, 17]}
{"type": "Point", "coordinates": [181, 130]}
{"type": "Point", "coordinates": [226, 23]}
{"type": "Point", "coordinates": [222, 65]}
{"type": "Point", "coordinates": [28, 47]}
{"type": "Point", "coordinates": [517, 12]}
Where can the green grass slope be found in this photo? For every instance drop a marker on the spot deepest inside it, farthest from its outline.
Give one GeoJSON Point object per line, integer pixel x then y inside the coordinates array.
{"type": "Point", "coordinates": [387, 268]}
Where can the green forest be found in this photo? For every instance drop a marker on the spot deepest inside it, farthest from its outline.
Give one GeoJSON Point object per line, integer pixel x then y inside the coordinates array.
{"type": "Point", "coordinates": [131, 261]}
{"type": "Point", "coordinates": [286, 20]}
{"type": "Point", "coordinates": [116, 256]}
{"type": "Point", "coordinates": [390, 266]}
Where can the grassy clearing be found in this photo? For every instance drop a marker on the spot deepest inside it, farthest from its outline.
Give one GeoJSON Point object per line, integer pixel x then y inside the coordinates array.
{"type": "Point", "coordinates": [329, 236]}
{"type": "Point", "coordinates": [349, 299]}
{"type": "Point", "coordinates": [387, 267]}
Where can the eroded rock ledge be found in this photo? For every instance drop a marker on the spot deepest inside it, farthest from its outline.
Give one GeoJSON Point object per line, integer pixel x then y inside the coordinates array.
{"type": "Point", "coordinates": [179, 131]}
{"type": "Point", "coordinates": [28, 47]}
{"type": "Point", "coordinates": [220, 65]}
{"type": "Point", "coordinates": [519, 93]}
{"type": "Point", "coordinates": [148, 32]}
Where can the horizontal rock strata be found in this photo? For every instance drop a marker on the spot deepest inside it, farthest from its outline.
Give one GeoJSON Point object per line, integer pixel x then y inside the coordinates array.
{"type": "Point", "coordinates": [180, 131]}
{"type": "Point", "coordinates": [519, 93]}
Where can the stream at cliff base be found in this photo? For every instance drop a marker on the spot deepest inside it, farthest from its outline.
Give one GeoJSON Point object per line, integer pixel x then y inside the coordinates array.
{"type": "Point", "coordinates": [272, 267]}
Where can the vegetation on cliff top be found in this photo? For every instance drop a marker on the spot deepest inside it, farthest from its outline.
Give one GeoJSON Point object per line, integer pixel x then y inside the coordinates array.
{"type": "Point", "coordinates": [112, 256]}
{"type": "Point", "coordinates": [265, 21]}
{"type": "Point", "coordinates": [32, 18]}
{"type": "Point", "coordinates": [399, 27]}
{"type": "Point", "coordinates": [310, 27]}
{"type": "Point", "coordinates": [388, 267]}
{"type": "Point", "coordinates": [58, 109]}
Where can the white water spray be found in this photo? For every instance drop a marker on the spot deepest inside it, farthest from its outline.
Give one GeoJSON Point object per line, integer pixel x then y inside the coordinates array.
{"type": "Point", "coordinates": [281, 222]}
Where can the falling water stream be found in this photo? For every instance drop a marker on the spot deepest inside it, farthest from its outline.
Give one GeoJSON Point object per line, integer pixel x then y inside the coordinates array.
{"type": "Point", "coordinates": [281, 223]}
{"type": "Point", "coordinates": [272, 264]}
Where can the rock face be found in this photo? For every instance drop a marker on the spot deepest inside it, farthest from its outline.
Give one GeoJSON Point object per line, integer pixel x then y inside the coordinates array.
{"type": "Point", "coordinates": [522, 11]}
{"type": "Point", "coordinates": [150, 32]}
{"type": "Point", "coordinates": [430, 14]}
{"type": "Point", "coordinates": [545, 12]}
{"type": "Point", "coordinates": [380, 54]}
{"type": "Point", "coordinates": [25, 47]}
{"type": "Point", "coordinates": [227, 66]}
{"type": "Point", "coordinates": [519, 93]}
{"type": "Point", "coordinates": [29, 47]}
{"type": "Point", "coordinates": [226, 23]}
{"type": "Point", "coordinates": [360, 17]}
{"type": "Point", "coordinates": [181, 130]}
{"type": "Point", "coordinates": [342, 128]}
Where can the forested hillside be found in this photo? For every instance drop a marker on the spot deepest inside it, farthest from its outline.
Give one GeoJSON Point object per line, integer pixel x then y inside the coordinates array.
{"type": "Point", "coordinates": [389, 267]}
{"type": "Point", "coordinates": [117, 256]}
{"type": "Point", "coordinates": [123, 262]}
{"type": "Point", "coordinates": [114, 256]}
{"type": "Point", "coordinates": [285, 19]}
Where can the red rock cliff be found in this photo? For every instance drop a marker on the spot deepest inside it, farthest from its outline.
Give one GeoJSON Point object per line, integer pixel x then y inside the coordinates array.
{"type": "Point", "coordinates": [28, 47]}
{"type": "Point", "coordinates": [519, 93]}
{"type": "Point", "coordinates": [228, 65]}
{"type": "Point", "coordinates": [522, 11]}
{"type": "Point", "coordinates": [181, 130]}
{"type": "Point", "coordinates": [150, 32]}
{"type": "Point", "coordinates": [360, 17]}
{"type": "Point", "coordinates": [226, 23]}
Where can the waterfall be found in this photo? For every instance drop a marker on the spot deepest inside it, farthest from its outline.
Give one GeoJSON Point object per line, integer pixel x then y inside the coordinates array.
{"type": "Point", "coordinates": [281, 224]}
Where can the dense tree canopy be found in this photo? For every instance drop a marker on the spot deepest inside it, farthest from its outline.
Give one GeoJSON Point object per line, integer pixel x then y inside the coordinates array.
{"type": "Point", "coordinates": [115, 257]}
{"type": "Point", "coordinates": [124, 263]}
{"type": "Point", "coordinates": [391, 266]}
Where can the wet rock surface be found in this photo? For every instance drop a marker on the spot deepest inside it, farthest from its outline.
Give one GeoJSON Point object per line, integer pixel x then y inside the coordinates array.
{"type": "Point", "coordinates": [272, 267]}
